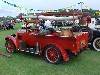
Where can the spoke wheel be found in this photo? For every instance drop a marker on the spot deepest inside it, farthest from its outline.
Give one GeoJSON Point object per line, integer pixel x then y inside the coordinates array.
{"type": "Point", "coordinates": [96, 44]}
{"type": "Point", "coordinates": [10, 47]}
{"type": "Point", "coordinates": [53, 54]}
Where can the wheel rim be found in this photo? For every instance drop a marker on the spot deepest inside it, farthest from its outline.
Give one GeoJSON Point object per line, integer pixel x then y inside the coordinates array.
{"type": "Point", "coordinates": [52, 55]}
{"type": "Point", "coordinates": [10, 47]}
{"type": "Point", "coordinates": [96, 44]}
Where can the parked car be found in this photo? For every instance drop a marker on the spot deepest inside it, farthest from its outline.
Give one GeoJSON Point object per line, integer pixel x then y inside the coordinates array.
{"type": "Point", "coordinates": [54, 46]}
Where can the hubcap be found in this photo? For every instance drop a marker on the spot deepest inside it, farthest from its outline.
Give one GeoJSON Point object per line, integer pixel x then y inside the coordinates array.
{"type": "Point", "coordinates": [97, 44]}
{"type": "Point", "coordinates": [52, 55]}
{"type": "Point", "coordinates": [10, 47]}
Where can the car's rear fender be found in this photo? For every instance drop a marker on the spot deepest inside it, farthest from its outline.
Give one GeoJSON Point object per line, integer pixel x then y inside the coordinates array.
{"type": "Point", "coordinates": [64, 53]}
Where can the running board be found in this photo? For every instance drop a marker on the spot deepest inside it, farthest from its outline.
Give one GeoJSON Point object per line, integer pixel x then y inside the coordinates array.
{"type": "Point", "coordinates": [22, 50]}
{"type": "Point", "coordinates": [29, 50]}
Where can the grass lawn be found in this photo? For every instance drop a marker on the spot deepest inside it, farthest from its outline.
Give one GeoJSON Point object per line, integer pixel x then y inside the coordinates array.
{"type": "Point", "coordinates": [87, 63]}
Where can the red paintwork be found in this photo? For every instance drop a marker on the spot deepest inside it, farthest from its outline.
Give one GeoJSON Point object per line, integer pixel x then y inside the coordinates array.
{"type": "Point", "coordinates": [10, 47]}
{"type": "Point", "coordinates": [9, 37]}
{"type": "Point", "coordinates": [52, 54]}
{"type": "Point", "coordinates": [74, 44]}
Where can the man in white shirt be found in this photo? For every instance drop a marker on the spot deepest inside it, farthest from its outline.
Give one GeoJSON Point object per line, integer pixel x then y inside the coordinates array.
{"type": "Point", "coordinates": [48, 24]}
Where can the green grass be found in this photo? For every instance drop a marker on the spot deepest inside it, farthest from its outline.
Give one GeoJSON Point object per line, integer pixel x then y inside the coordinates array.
{"type": "Point", "coordinates": [87, 63]}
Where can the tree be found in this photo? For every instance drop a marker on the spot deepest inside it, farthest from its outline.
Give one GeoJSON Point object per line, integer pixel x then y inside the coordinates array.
{"type": "Point", "coordinates": [61, 10]}
{"type": "Point", "coordinates": [20, 14]}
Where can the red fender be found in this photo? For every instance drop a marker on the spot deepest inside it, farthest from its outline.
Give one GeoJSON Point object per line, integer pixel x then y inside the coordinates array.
{"type": "Point", "coordinates": [9, 37]}
{"type": "Point", "coordinates": [63, 52]}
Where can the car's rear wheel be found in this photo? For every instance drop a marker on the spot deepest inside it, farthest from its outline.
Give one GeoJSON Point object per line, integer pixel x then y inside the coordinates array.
{"type": "Point", "coordinates": [96, 44]}
{"type": "Point", "coordinates": [10, 47]}
{"type": "Point", "coordinates": [52, 54]}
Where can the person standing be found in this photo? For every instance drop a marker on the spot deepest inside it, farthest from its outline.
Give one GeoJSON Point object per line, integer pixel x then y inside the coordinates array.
{"type": "Point", "coordinates": [48, 24]}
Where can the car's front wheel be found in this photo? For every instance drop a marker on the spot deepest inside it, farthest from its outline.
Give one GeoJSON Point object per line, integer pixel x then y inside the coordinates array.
{"type": "Point", "coordinates": [96, 44]}
{"type": "Point", "coordinates": [10, 47]}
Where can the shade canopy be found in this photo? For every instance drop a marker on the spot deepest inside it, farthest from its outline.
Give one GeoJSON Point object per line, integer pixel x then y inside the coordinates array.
{"type": "Point", "coordinates": [52, 17]}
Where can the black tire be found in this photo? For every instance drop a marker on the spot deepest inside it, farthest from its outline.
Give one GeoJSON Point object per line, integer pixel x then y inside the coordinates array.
{"type": "Point", "coordinates": [96, 44]}
{"type": "Point", "coordinates": [10, 47]}
{"type": "Point", "coordinates": [52, 54]}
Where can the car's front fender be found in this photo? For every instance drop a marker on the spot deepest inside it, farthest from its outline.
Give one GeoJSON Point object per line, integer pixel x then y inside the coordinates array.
{"type": "Point", "coordinates": [13, 39]}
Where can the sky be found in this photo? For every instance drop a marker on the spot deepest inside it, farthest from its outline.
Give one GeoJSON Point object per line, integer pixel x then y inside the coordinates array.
{"type": "Point", "coordinates": [7, 10]}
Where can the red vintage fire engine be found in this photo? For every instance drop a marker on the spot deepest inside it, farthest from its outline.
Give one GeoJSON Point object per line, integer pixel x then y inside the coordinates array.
{"type": "Point", "coordinates": [54, 46]}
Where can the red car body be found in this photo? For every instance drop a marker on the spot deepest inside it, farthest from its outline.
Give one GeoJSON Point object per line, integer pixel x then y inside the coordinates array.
{"type": "Point", "coordinates": [64, 44]}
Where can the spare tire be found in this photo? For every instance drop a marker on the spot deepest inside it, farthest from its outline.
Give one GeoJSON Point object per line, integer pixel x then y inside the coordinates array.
{"type": "Point", "coordinates": [90, 31]}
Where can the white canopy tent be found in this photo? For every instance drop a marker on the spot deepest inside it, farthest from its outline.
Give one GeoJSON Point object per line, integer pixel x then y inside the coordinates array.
{"type": "Point", "coordinates": [52, 17]}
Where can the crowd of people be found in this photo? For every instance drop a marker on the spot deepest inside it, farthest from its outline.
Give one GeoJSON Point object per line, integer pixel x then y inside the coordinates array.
{"type": "Point", "coordinates": [7, 25]}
